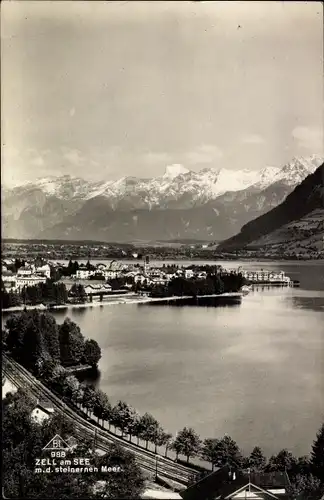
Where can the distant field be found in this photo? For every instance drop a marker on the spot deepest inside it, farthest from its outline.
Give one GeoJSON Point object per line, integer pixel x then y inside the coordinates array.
{"type": "Point", "coordinates": [62, 242]}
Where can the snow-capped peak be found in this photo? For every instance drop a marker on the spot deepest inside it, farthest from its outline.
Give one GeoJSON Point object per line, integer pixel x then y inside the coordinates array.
{"type": "Point", "coordinates": [175, 170]}
{"type": "Point", "coordinates": [295, 171]}
{"type": "Point", "coordinates": [236, 180]}
{"type": "Point", "coordinates": [267, 177]}
{"type": "Point", "coordinates": [178, 187]}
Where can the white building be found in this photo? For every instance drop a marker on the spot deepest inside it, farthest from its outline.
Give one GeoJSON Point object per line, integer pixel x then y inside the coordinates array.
{"type": "Point", "coordinates": [22, 281]}
{"type": "Point", "coordinates": [95, 288]}
{"type": "Point", "coordinates": [101, 267]}
{"type": "Point", "coordinates": [42, 411]}
{"type": "Point", "coordinates": [44, 270]}
{"type": "Point", "coordinates": [140, 278]}
{"type": "Point", "coordinates": [9, 280]}
{"type": "Point", "coordinates": [84, 274]}
{"type": "Point", "coordinates": [26, 271]}
{"type": "Point", "coordinates": [110, 274]}
{"type": "Point", "coordinates": [263, 275]}
{"type": "Point", "coordinates": [170, 276]}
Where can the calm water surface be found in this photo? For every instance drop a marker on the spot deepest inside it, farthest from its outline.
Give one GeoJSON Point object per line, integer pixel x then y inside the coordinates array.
{"type": "Point", "coordinates": [254, 371]}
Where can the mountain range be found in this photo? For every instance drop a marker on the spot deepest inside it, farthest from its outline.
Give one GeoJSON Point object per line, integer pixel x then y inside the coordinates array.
{"type": "Point", "coordinates": [294, 226]}
{"type": "Point", "coordinates": [207, 205]}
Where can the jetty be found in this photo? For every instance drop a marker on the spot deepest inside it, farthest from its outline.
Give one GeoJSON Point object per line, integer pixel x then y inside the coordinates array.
{"type": "Point", "coordinates": [78, 368]}
{"type": "Point", "coordinates": [236, 296]}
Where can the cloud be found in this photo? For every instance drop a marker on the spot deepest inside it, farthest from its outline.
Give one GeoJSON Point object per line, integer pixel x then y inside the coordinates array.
{"type": "Point", "coordinates": [206, 153]}
{"type": "Point", "coordinates": [157, 157]}
{"type": "Point", "coordinates": [38, 161]}
{"type": "Point", "coordinates": [310, 138]}
{"type": "Point", "coordinates": [73, 156]}
{"type": "Point", "coordinates": [252, 139]}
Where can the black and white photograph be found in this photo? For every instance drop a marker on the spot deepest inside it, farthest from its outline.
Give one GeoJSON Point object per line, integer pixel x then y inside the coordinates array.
{"type": "Point", "coordinates": [162, 249]}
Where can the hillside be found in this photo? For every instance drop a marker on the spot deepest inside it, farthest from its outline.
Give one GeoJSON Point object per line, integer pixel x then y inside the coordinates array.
{"type": "Point", "coordinates": [296, 222]}
{"type": "Point", "coordinates": [304, 237]}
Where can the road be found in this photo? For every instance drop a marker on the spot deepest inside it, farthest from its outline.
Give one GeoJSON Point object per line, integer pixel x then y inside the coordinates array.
{"type": "Point", "coordinates": [146, 459]}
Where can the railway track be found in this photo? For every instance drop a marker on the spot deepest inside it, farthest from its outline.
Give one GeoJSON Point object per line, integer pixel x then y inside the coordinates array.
{"type": "Point", "coordinates": [146, 459]}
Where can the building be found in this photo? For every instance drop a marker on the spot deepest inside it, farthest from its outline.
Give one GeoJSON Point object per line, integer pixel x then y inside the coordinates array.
{"type": "Point", "coordinates": [9, 280]}
{"type": "Point", "coordinates": [83, 274]}
{"type": "Point", "coordinates": [103, 288]}
{"type": "Point", "coordinates": [44, 270]}
{"type": "Point", "coordinates": [111, 274]}
{"type": "Point", "coordinates": [189, 273]}
{"type": "Point", "coordinates": [140, 278]}
{"type": "Point", "coordinates": [42, 411]}
{"type": "Point", "coordinates": [27, 270]}
{"type": "Point", "coordinates": [29, 280]}
{"type": "Point", "coordinates": [230, 484]}
{"type": "Point", "coordinates": [263, 275]}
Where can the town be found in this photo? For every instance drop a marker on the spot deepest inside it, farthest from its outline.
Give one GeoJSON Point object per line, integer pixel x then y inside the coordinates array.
{"type": "Point", "coordinates": [42, 282]}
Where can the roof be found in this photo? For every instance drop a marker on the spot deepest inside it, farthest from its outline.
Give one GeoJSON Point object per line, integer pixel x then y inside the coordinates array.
{"type": "Point", "coordinates": [7, 273]}
{"type": "Point", "coordinates": [221, 483]}
{"type": "Point", "coordinates": [43, 403]}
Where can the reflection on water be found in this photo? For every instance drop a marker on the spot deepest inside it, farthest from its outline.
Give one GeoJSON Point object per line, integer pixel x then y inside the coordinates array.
{"type": "Point", "coordinates": [195, 302]}
{"type": "Point", "coordinates": [310, 303]}
{"type": "Point", "coordinates": [90, 377]}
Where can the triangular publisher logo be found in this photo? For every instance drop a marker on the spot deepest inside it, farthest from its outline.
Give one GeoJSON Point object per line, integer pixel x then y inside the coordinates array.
{"type": "Point", "coordinates": [57, 443]}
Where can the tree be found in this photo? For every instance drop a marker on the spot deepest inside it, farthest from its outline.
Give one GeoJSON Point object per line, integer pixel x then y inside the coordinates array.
{"type": "Point", "coordinates": [47, 370]}
{"type": "Point", "coordinates": [32, 347]}
{"type": "Point", "coordinates": [16, 409]}
{"type": "Point", "coordinates": [187, 443]}
{"type": "Point", "coordinates": [101, 404]}
{"type": "Point", "coordinates": [132, 427]}
{"type": "Point", "coordinates": [70, 386]}
{"type": "Point", "coordinates": [306, 488]}
{"type": "Point", "coordinates": [49, 329]}
{"type": "Point", "coordinates": [16, 325]}
{"type": "Point", "coordinates": [89, 398]}
{"type": "Point", "coordinates": [209, 451]}
{"type": "Point", "coordinates": [257, 461]}
{"type": "Point", "coordinates": [222, 452]}
{"type": "Point", "coordinates": [71, 343]}
{"type": "Point", "coordinates": [59, 375]}
{"type": "Point", "coordinates": [317, 455]}
{"type": "Point", "coordinates": [301, 466]}
{"type": "Point", "coordinates": [91, 353]}
{"type": "Point", "coordinates": [78, 396]}
{"type": "Point", "coordinates": [167, 440]}
{"type": "Point", "coordinates": [147, 428]}
{"type": "Point", "coordinates": [124, 416]}
{"type": "Point", "coordinates": [78, 291]}
{"type": "Point", "coordinates": [10, 299]}
{"type": "Point", "coordinates": [128, 483]}
{"type": "Point", "coordinates": [161, 438]}
{"type": "Point", "coordinates": [284, 461]}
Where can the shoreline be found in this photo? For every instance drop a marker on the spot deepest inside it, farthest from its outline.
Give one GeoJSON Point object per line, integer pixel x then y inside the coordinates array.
{"type": "Point", "coordinates": [135, 300]}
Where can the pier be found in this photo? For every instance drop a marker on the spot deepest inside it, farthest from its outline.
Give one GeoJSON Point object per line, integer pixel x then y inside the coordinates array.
{"type": "Point", "coordinates": [78, 368]}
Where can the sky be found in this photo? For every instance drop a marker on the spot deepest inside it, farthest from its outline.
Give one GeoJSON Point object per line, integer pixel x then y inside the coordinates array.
{"type": "Point", "coordinates": [103, 90]}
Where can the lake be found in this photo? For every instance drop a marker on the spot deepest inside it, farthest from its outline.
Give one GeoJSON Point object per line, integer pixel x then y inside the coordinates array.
{"type": "Point", "coordinates": [254, 371]}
